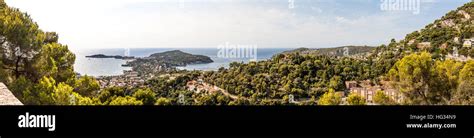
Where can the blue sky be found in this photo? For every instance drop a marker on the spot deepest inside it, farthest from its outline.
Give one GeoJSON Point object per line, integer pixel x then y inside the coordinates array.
{"type": "Point", "coordinates": [86, 24]}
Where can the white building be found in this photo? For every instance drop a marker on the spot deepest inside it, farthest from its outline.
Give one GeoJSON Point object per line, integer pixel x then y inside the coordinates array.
{"type": "Point", "coordinates": [455, 52]}
{"type": "Point", "coordinates": [468, 42]}
{"type": "Point", "coordinates": [456, 40]}
{"type": "Point", "coordinates": [424, 45]}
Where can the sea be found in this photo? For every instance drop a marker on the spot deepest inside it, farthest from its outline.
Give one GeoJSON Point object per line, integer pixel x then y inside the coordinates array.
{"type": "Point", "coordinates": [111, 67]}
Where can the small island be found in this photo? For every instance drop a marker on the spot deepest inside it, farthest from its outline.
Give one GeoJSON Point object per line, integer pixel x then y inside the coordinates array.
{"type": "Point", "coordinates": [108, 56]}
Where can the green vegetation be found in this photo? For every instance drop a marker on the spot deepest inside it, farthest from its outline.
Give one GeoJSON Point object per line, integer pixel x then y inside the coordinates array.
{"type": "Point", "coordinates": [330, 98]}
{"type": "Point", "coordinates": [39, 71]}
{"type": "Point", "coordinates": [126, 101]}
{"type": "Point", "coordinates": [464, 94]}
{"type": "Point", "coordinates": [163, 101]}
{"type": "Point", "coordinates": [354, 99]}
{"type": "Point", "coordinates": [87, 86]}
{"type": "Point", "coordinates": [424, 81]}
{"type": "Point", "coordinates": [337, 51]}
{"type": "Point", "coordinates": [178, 57]}
{"type": "Point", "coordinates": [382, 99]}
{"type": "Point", "coordinates": [37, 68]}
{"type": "Point", "coordinates": [147, 96]}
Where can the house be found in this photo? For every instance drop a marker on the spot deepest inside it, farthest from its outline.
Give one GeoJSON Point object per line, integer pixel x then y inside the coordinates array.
{"type": "Point", "coordinates": [456, 40]}
{"type": "Point", "coordinates": [200, 81]}
{"type": "Point", "coordinates": [458, 57]}
{"type": "Point", "coordinates": [448, 23]}
{"type": "Point", "coordinates": [351, 84]}
{"type": "Point", "coordinates": [7, 97]}
{"type": "Point", "coordinates": [195, 86]}
{"type": "Point", "coordinates": [394, 95]}
{"type": "Point", "coordinates": [130, 74]}
{"type": "Point", "coordinates": [424, 45]}
{"type": "Point", "coordinates": [444, 46]}
{"type": "Point", "coordinates": [411, 42]}
{"type": "Point", "coordinates": [367, 91]}
{"type": "Point", "coordinates": [468, 43]}
{"type": "Point", "coordinates": [192, 85]}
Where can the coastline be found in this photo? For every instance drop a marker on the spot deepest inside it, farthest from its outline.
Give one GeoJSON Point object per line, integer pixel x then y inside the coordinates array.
{"type": "Point", "coordinates": [113, 67]}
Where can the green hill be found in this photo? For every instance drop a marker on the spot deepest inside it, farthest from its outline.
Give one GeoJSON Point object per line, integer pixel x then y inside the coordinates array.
{"type": "Point", "coordinates": [336, 51]}
{"type": "Point", "coordinates": [441, 36]}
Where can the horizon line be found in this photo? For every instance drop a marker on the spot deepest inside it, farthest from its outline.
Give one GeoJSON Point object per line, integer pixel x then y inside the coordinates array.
{"type": "Point", "coordinates": [217, 47]}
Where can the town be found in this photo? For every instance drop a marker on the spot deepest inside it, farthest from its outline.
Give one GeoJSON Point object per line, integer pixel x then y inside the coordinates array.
{"type": "Point", "coordinates": [128, 79]}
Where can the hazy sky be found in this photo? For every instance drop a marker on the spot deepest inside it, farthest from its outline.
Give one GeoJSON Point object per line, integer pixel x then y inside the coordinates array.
{"type": "Point", "coordinates": [209, 23]}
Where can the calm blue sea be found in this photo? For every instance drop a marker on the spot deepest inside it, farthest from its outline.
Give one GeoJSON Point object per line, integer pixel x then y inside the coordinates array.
{"type": "Point", "coordinates": [108, 67]}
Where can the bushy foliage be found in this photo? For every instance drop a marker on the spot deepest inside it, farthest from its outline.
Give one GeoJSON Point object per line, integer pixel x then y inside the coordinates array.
{"type": "Point", "coordinates": [330, 98]}
{"type": "Point", "coordinates": [424, 81]}
{"type": "Point", "coordinates": [354, 99]}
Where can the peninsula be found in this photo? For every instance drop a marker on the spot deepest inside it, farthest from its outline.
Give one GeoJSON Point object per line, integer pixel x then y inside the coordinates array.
{"type": "Point", "coordinates": [166, 61]}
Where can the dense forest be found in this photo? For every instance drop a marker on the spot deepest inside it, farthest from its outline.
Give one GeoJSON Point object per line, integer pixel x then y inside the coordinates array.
{"type": "Point", "coordinates": [39, 71]}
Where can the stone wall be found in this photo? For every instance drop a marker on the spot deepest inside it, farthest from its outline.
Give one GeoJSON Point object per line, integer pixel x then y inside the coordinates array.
{"type": "Point", "coordinates": [7, 97]}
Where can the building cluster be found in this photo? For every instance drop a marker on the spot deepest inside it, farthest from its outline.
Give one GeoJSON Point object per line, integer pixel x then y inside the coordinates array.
{"type": "Point", "coordinates": [151, 66]}
{"type": "Point", "coordinates": [159, 68]}
{"type": "Point", "coordinates": [423, 45]}
{"type": "Point", "coordinates": [199, 86]}
{"type": "Point", "coordinates": [467, 43]}
{"type": "Point", "coordinates": [367, 91]}
{"type": "Point", "coordinates": [458, 57]}
{"type": "Point", "coordinates": [129, 78]}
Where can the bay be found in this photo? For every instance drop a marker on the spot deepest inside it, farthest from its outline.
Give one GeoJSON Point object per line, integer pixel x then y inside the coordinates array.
{"type": "Point", "coordinates": [110, 67]}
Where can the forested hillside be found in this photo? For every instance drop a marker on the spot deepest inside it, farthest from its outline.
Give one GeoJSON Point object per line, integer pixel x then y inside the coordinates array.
{"type": "Point", "coordinates": [36, 68]}
{"type": "Point", "coordinates": [418, 66]}
{"type": "Point", "coordinates": [337, 51]}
